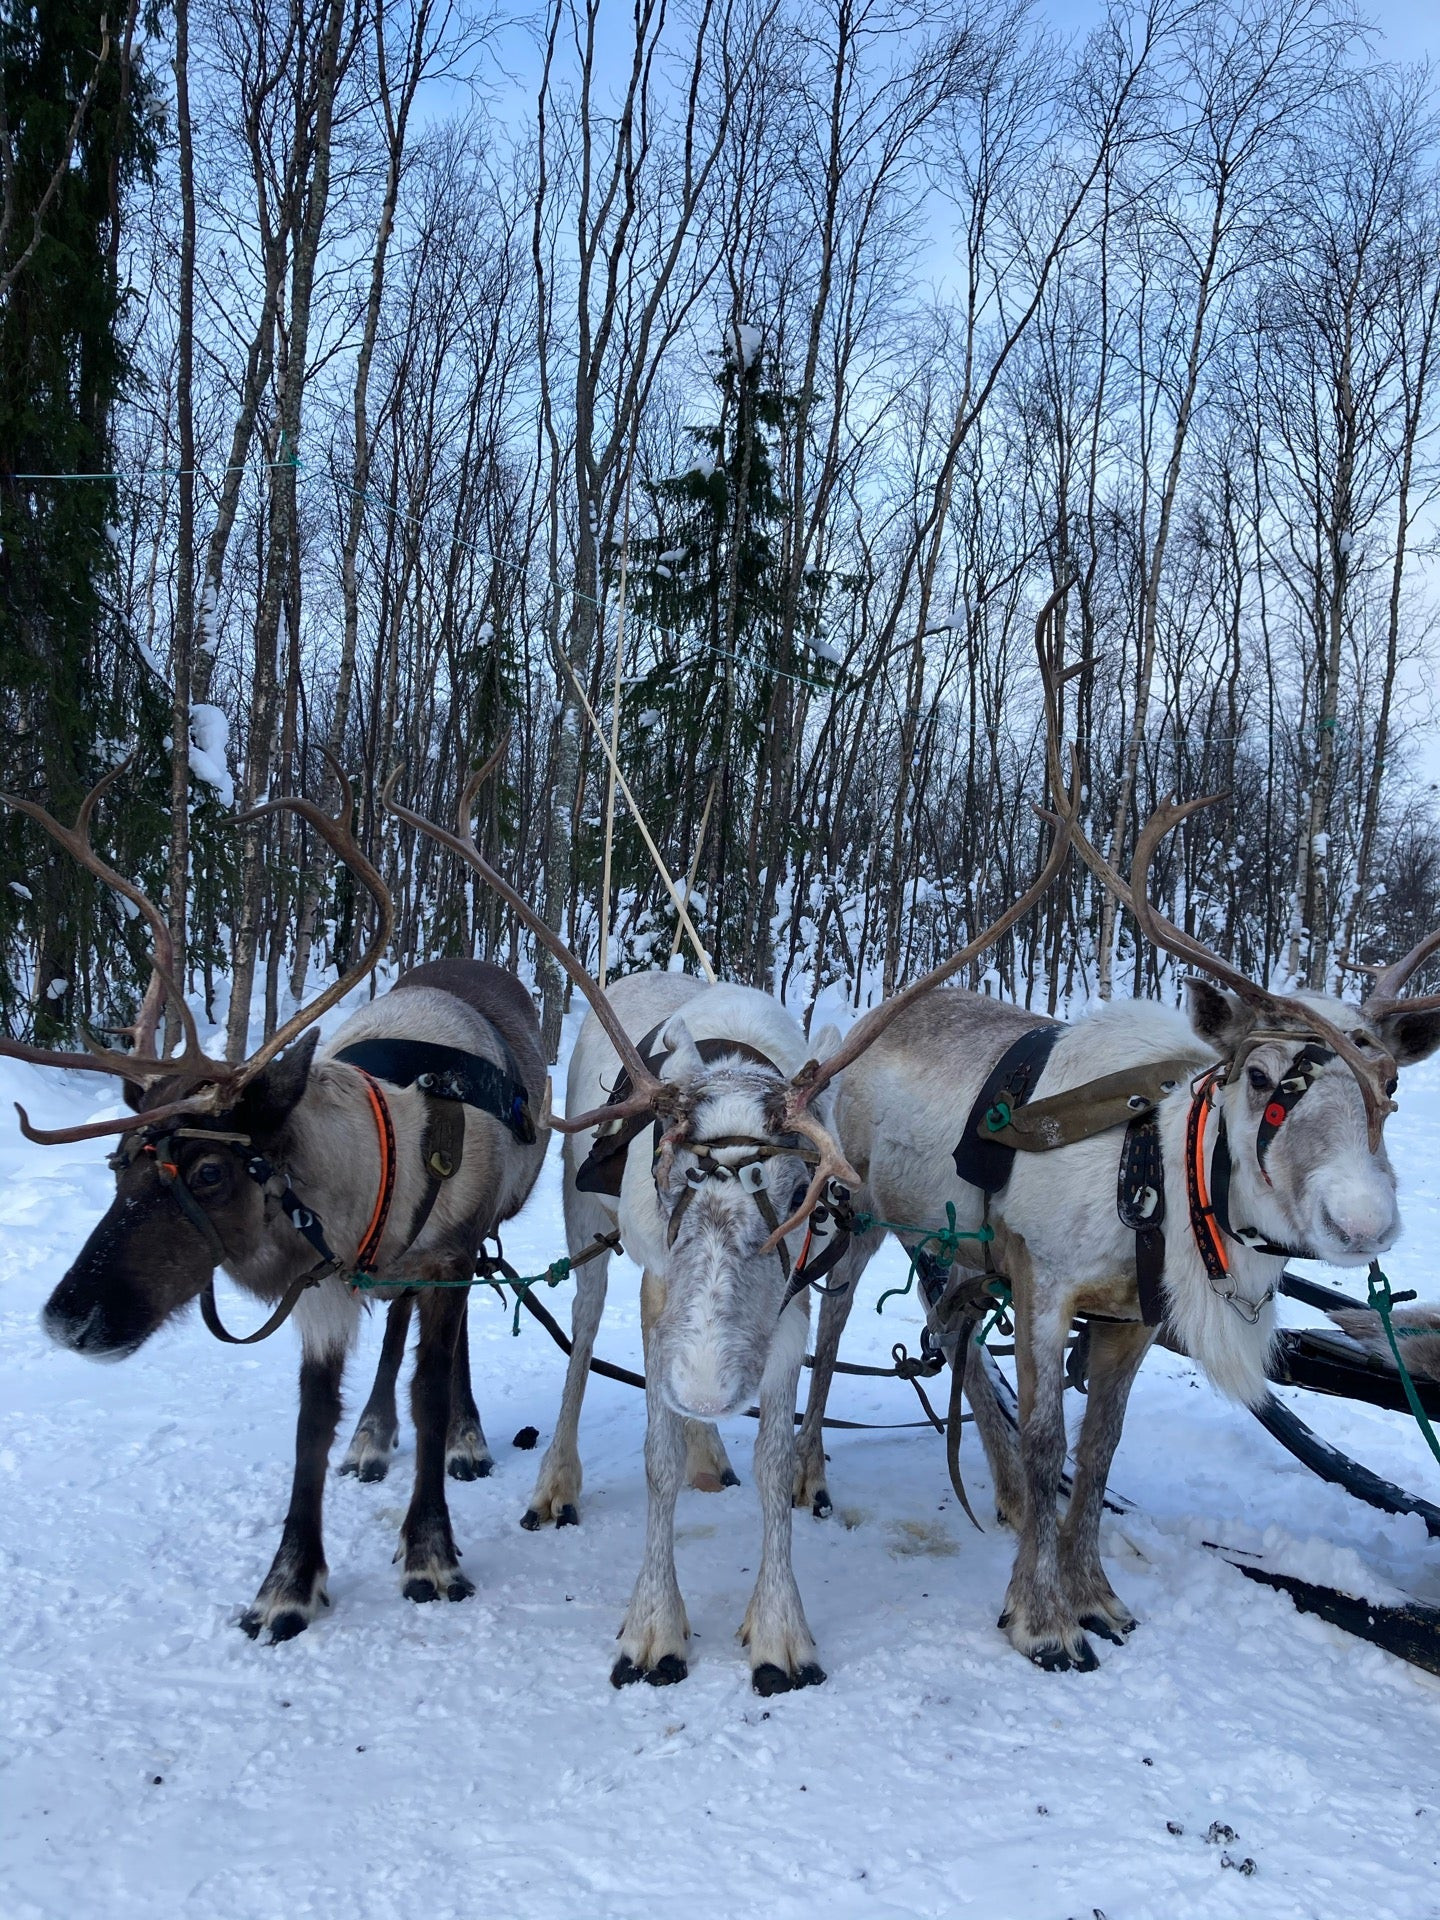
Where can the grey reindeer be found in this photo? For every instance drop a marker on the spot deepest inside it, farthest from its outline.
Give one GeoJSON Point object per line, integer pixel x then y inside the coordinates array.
{"type": "Point", "coordinates": [1268, 1113]}
{"type": "Point", "coordinates": [391, 1151]}
{"type": "Point", "coordinates": [718, 1172]}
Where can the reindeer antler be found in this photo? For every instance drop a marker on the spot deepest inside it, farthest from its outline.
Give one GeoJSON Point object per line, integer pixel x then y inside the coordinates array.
{"type": "Point", "coordinates": [1385, 997]}
{"type": "Point", "coordinates": [1373, 1069]}
{"type": "Point", "coordinates": [647, 1093]}
{"type": "Point", "coordinates": [339, 832]}
{"type": "Point", "coordinates": [217, 1084]}
{"type": "Point", "coordinates": [792, 1116]}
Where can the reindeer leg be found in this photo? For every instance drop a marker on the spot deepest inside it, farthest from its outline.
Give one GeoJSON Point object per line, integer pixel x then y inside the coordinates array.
{"type": "Point", "coordinates": [810, 1489]}
{"type": "Point", "coordinates": [377, 1433]}
{"type": "Point", "coordinates": [1037, 1614]}
{"type": "Point", "coordinates": [467, 1455]}
{"type": "Point", "coordinates": [1115, 1355]}
{"type": "Point", "coordinates": [782, 1652]}
{"type": "Point", "coordinates": [655, 1631]}
{"type": "Point", "coordinates": [426, 1540]}
{"type": "Point", "coordinates": [293, 1591]}
{"type": "Point", "coordinates": [557, 1487]}
{"type": "Point", "coordinates": [998, 1437]}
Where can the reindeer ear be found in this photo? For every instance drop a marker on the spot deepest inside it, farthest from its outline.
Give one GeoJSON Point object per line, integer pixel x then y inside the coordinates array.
{"type": "Point", "coordinates": [682, 1060]}
{"type": "Point", "coordinates": [1220, 1018]}
{"type": "Point", "coordinates": [825, 1042]}
{"type": "Point", "coordinates": [1409, 1037]}
{"type": "Point", "coordinates": [268, 1101]}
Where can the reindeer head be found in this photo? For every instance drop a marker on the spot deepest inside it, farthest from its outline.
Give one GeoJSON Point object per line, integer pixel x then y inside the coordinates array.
{"type": "Point", "coordinates": [184, 1204]}
{"type": "Point", "coordinates": [188, 1173]}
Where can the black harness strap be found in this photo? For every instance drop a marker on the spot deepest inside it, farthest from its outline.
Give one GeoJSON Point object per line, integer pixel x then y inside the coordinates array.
{"type": "Point", "coordinates": [447, 1073]}
{"type": "Point", "coordinates": [1140, 1203]}
{"type": "Point", "coordinates": [1294, 1085]}
{"type": "Point", "coordinates": [979, 1159]}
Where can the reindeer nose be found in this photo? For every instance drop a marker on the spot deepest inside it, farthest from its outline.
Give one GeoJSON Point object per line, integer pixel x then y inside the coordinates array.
{"type": "Point", "coordinates": [1359, 1227]}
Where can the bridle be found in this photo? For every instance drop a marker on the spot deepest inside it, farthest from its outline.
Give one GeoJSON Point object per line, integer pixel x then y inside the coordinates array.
{"type": "Point", "coordinates": [1210, 1218]}
{"type": "Point", "coordinates": [828, 1219]}
{"type": "Point", "coordinates": [159, 1143]}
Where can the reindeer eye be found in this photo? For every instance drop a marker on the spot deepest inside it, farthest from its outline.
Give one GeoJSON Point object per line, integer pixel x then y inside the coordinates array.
{"type": "Point", "coordinates": [1259, 1079]}
{"type": "Point", "coordinates": [209, 1173]}
{"type": "Point", "coordinates": [1390, 1085]}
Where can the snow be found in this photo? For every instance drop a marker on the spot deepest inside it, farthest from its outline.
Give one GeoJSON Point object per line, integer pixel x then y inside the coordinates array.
{"type": "Point", "coordinates": [823, 650]}
{"type": "Point", "coordinates": [23, 891]}
{"type": "Point", "coordinates": [746, 344]}
{"type": "Point", "coordinates": [472, 1762]}
{"type": "Point", "coordinates": [57, 988]}
{"type": "Point", "coordinates": [209, 741]}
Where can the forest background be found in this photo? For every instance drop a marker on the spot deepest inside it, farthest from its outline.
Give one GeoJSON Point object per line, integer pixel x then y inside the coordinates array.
{"type": "Point", "coordinates": [392, 378]}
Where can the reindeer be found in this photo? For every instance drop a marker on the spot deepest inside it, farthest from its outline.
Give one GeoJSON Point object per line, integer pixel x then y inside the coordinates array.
{"type": "Point", "coordinates": [1268, 1114]}
{"type": "Point", "coordinates": [389, 1153]}
{"type": "Point", "coordinates": [692, 1108]}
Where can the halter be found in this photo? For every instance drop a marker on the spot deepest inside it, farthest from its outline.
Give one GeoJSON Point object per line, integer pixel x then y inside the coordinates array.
{"type": "Point", "coordinates": [159, 1144]}
{"type": "Point", "coordinates": [1210, 1211]}
{"type": "Point", "coordinates": [750, 1173]}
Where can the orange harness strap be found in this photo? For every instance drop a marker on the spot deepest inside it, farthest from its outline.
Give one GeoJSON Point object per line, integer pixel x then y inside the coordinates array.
{"type": "Point", "coordinates": [385, 1131]}
{"type": "Point", "coordinates": [1203, 1223]}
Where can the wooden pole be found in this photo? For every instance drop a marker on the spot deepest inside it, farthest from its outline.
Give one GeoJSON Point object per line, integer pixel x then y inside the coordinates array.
{"type": "Point", "coordinates": [614, 748]}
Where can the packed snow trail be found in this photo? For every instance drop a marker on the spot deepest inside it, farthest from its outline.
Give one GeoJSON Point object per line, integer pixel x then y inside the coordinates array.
{"type": "Point", "coordinates": [473, 1761]}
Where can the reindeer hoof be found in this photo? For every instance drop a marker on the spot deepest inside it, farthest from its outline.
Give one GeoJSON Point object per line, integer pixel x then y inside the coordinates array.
{"type": "Point", "coordinates": [667, 1672]}
{"type": "Point", "coordinates": [820, 1506]}
{"type": "Point", "coordinates": [1054, 1657]}
{"type": "Point", "coordinates": [729, 1478]}
{"type": "Point", "coordinates": [768, 1680]}
{"type": "Point", "coordinates": [530, 1520]}
{"type": "Point", "coordinates": [464, 1466]}
{"type": "Point", "coordinates": [369, 1470]}
{"type": "Point", "coordinates": [567, 1516]}
{"type": "Point", "coordinates": [1096, 1623]}
{"type": "Point", "coordinates": [422, 1587]}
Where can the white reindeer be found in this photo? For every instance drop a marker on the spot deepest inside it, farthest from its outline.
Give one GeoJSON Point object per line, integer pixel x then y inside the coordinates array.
{"type": "Point", "coordinates": [1286, 1095]}
{"type": "Point", "coordinates": [725, 1167]}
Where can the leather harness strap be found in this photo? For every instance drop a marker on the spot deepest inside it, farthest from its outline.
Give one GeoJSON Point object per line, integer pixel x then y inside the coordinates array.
{"type": "Point", "coordinates": [1140, 1203]}
{"type": "Point", "coordinates": [380, 1217]}
{"type": "Point", "coordinates": [448, 1073]}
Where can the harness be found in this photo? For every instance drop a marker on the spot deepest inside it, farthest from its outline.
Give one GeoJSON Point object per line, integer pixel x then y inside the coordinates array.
{"type": "Point", "coordinates": [1005, 1120]}
{"type": "Point", "coordinates": [830, 1222]}
{"type": "Point", "coordinates": [450, 1079]}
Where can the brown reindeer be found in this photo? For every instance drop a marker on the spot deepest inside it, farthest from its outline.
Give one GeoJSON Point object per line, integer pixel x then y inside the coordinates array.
{"type": "Point", "coordinates": [388, 1153]}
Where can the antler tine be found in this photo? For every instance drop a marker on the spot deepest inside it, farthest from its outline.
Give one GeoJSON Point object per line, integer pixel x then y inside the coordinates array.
{"type": "Point", "coordinates": [1383, 997]}
{"type": "Point", "coordinates": [646, 1089]}
{"type": "Point", "coordinates": [817, 1074]}
{"type": "Point", "coordinates": [832, 1166]}
{"type": "Point", "coordinates": [76, 842]}
{"type": "Point", "coordinates": [337, 831]}
{"type": "Point", "coordinates": [1163, 932]}
{"type": "Point", "coordinates": [99, 1129]}
{"type": "Point", "coordinates": [471, 790]}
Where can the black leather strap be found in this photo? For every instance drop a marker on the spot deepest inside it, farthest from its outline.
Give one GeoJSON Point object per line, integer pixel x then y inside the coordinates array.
{"type": "Point", "coordinates": [979, 1159]}
{"type": "Point", "coordinates": [1140, 1203]}
{"type": "Point", "coordinates": [446, 1073]}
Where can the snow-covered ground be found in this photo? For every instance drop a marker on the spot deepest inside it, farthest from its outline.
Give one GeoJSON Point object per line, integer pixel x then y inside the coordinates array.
{"type": "Point", "coordinates": [473, 1761]}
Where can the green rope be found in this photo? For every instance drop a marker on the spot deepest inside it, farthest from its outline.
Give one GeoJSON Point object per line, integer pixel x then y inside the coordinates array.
{"type": "Point", "coordinates": [946, 1239]}
{"type": "Point", "coordinates": [1381, 1301]}
{"type": "Point", "coordinates": [553, 1275]}
{"type": "Point", "coordinates": [999, 1292]}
